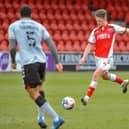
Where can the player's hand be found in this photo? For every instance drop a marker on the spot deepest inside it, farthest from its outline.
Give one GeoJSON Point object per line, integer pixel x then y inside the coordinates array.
{"type": "Point", "coordinates": [81, 61]}
{"type": "Point", "coordinates": [59, 67]}
{"type": "Point", "coordinates": [13, 65]}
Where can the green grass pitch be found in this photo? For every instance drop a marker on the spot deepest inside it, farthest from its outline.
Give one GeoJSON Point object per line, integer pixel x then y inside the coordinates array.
{"type": "Point", "coordinates": [107, 109]}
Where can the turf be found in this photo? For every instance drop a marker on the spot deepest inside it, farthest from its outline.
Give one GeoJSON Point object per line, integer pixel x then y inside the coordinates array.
{"type": "Point", "coordinates": [107, 109]}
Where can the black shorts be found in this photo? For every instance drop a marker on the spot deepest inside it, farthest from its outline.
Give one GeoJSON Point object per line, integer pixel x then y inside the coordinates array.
{"type": "Point", "coordinates": [33, 74]}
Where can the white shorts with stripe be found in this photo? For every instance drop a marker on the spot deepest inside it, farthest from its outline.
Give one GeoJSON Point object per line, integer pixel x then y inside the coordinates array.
{"type": "Point", "coordinates": [104, 63]}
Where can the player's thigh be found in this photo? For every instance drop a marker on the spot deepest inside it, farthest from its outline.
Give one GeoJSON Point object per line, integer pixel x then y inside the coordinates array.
{"type": "Point", "coordinates": [42, 72]}
{"type": "Point", "coordinates": [31, 75]}
{"type": "Point", "coordinates": [105, 65]}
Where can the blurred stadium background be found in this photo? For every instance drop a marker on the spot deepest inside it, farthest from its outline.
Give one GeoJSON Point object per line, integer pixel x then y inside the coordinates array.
{"type": "Point", "coordinates": [69, 22]}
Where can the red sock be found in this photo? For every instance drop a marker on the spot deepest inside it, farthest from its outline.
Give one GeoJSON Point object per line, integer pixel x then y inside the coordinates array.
{"type": "Point", "coordinates": [90, 91]}
{"type": "Point", "coordinates": [118, 80]}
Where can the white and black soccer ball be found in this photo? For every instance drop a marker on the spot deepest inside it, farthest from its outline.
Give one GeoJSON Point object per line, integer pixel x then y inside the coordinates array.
{"type": "Point", "coordinates": [68, 103]}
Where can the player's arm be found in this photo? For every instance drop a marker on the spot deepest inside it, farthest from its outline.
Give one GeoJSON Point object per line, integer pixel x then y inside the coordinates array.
{"type": "Point", "coordinates": [91, 41]}
{"type": "Point", "coordinates": [86, 52]}
{"type": "Point", "coordinates": [120, 29]}
{"type": "Point", "coordinates": [52, 47]}
{"type": "Point", "coordinates": [12, 45]}
{"type": "Point", "coordinates": [12, 50]}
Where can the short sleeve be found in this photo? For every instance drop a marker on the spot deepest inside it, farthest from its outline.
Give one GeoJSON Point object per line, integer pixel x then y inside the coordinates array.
{"type": "Point", "coordinates": [11, 32]}
{"type": "Point", "coordinates": [92, 39]}
{"type": "Point", "coordinates": [45, 34]}
{"type": "Point", "coordinates": [119, 29]}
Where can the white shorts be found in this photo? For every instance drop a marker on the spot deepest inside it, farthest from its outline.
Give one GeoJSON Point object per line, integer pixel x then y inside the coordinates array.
{"type": "Point", "coordinates": [104, 63]}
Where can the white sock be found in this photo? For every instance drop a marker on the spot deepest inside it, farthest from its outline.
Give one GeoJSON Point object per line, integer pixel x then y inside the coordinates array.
{"type": "Point", "coordinates": [93, 84]}
{"type": "Point", "coordinates": [112, 77]}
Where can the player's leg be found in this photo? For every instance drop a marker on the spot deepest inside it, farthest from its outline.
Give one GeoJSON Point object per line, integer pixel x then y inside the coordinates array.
{"type": "Point", "coordinates": [41, 72]}
{"type": "Point", "coordinates": [32, 80]}
{"type": "Point", "coordinates": [112, 77]}
{"type": "Point", "coordinates": [117, 79]}
{"type": "Point", "coordinates": [41, 119]}
{"type": "Point", "coordinates": [98, 73]}
{"type": "Point", "coordinates": [46, 107]}
{"type": "Point", "coordinates": [102, 66]}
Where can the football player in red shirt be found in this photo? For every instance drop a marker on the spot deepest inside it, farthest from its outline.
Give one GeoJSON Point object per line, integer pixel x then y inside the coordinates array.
{"type": "Point", "coordinates": [103, 36]}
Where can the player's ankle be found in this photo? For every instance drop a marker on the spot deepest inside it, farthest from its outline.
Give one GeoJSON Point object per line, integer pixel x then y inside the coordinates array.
{"type": "Point", "coordinates": [86, 98]}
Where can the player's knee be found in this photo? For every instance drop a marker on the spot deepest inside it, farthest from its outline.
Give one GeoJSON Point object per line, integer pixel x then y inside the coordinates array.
{"type": "Point", "coordinates": [42, 93]}
{"type": "Point", "coordinates": [33, 93]}
{"type": "Point", "coordinates": [104, 78]}
{"type": "Point", "coordinates": [40, 101]}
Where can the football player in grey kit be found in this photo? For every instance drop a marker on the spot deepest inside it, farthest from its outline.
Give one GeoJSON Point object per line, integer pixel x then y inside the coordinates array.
{"type": "Point", "coordinates": [28, 34]}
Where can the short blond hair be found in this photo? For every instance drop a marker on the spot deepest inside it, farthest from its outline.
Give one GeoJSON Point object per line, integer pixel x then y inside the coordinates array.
{"type": "Point", "coordinates": [102, 13]}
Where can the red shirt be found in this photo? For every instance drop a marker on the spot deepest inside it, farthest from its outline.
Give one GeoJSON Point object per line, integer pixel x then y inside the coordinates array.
{"type": "Point", "coordinates": [104, 38]}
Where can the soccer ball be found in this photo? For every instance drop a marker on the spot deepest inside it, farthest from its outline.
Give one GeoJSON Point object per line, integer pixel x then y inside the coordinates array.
{"type": "Point", "coordinates": [68, 103]}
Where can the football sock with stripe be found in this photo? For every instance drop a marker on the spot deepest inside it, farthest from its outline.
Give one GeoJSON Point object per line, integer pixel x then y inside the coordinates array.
{"type": "Point", "coordinates": [91, 89]}
{"type": "Point", "coordinates": [115, 78]}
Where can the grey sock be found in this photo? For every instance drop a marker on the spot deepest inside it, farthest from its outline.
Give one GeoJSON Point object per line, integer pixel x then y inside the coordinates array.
{"type": "Point", "coordinates": [46, 108]}
{"type": "Point", "coordinates": [40, 112]}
